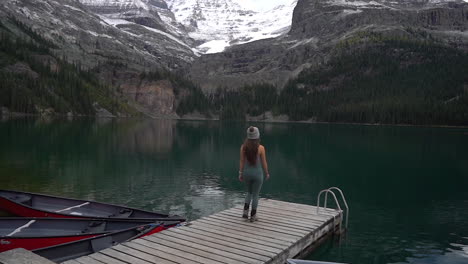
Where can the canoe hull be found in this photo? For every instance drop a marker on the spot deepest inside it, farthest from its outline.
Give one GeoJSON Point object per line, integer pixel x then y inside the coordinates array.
{"type": "Point", "coordinates": [35, 233]}
{"type": "Point", "coordinates": [88, 246]}
{"type": "Point", "coordinates": [39, 205]}
{"type": "Point", "coordinates": [21, 210]}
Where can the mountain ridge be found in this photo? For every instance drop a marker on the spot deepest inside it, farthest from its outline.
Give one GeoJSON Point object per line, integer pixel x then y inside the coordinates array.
{"type": "Point", "coordinates": [317, 27]}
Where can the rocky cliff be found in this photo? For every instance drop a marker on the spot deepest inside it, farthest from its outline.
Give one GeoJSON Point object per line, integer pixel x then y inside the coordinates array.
{"type": "Point", "coordinates": [153, 14]}
{"type": "Point", "coordinates": [318, 27]}
{"type": "Point", "coordinates": [90, 39]}
{"type": "Point", "coordinates": [99, 39]}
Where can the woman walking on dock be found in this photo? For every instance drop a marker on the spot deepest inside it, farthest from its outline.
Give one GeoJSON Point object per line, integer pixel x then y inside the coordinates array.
{"type": "Point", "coordinates": [252, 160]}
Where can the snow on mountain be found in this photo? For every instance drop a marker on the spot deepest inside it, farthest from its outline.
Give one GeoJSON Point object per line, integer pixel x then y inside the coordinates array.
{"type": "Point", "coordinates": [149, 13]}
{"type": "Point", "coordinates": [217, 24]}
{"type": "Point", "coordinates": [209, 26]}
{"type": "Point", "coordinates": [118, 3]}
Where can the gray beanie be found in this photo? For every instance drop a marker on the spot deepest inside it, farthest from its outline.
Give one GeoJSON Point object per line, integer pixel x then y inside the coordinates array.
{"type": "Point", "coordinates": [253, 133]}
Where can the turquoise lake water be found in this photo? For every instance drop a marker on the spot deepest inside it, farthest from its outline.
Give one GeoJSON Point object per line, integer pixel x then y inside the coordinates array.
{"type": "Point", "coordinates": [407, 187]}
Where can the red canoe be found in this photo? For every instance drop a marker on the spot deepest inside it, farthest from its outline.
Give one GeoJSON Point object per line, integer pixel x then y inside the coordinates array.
{"type": "Point", "coordinates": [39, 205]}
{"type": "Point", "coordinates": [34, 233]}
{"type": "Point", "coordinates": [75, 249]}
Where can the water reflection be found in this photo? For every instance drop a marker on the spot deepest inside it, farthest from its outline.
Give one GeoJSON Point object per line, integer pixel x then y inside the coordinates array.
{"type": "Point", "coordinates": [406, 186]}
{"type": "Point", "coordinates": [451, 256]}
{"type": "Point", "coordinates": [148, 136]}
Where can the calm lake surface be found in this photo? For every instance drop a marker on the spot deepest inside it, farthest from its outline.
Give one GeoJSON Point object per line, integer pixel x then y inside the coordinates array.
{"type": "Point", "coordinates": [407, 187]}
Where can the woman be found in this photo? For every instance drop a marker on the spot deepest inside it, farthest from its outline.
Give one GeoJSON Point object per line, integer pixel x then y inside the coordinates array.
{"type": "Point", "coordinates": [252, 160]}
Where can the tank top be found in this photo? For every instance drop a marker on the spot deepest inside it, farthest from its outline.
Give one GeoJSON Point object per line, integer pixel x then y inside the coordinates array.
{"type": "Point", "coordinates": [257, 164]}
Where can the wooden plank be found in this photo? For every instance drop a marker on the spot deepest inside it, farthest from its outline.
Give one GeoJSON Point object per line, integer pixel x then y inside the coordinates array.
{"type": "Point", "coordinates": [291, 213]}
{"type": "Point", "coordinates": [111, 252]}
{"type": "Point", "coordinates": [291, 217]}
{"type": "Point", "coordinates": [303, 213]}
{"type": "Point", "coordinates": [141, 254]}
{"type": "Point", "coordinates": [265, 223]}
{"type": "Point", "coordinates": [310, 213]}
{"type": "Point", "coordinates": [278, 222]}
{"type": "Point", "coordinates": [262, 226]}
{"type": "Point", "coordinates": [236, 212]}
{"type": "Point", "coordinates": [69, 262]}
{"type": "Point", "coordinates": [251, 228]}
{"type": "Point", "coordinates": [106, 259]}
{"type": "Point", "coordinates": [282, 221]}
{"type": "Point", "coordinates": [191, 250]}
{"type": "Point", "coordinates": [21, 255]}
{"type": "Point", "coordinates": [241, 233]}
{"type": "Point", "coordinates": [176, 252]}
{"type": "Point", "coordinates": [274, 215]}
{"type": "Point", "coordinates": [204, 251]}
{"type": "Point", "coordinates": [256, 229]}
{"type": "Point", "coordinates": [290, 204]}
{"type": "Point", "coordinates": [234, 233]}
{"type": "Point", "coordinates": [133, 244]}
{"type": "Point", "coordinates": [304, 243]}
{"type": "Point", "coordinates": [87, 260]}
{"type": "Point", "coordinates": [222, 245]}
{"type": "Point", "coordinates": [213, 249]}
{"type": "Point", "coordinates": [240, 241]}
{"type": "Point", "coordinates": [303, 207]}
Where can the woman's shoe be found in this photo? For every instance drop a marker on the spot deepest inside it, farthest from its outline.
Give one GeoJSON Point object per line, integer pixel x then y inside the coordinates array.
{"type": "Point", "coordinates": [253, 218]}
{"type": "Point", "coordinates": [245, 214]}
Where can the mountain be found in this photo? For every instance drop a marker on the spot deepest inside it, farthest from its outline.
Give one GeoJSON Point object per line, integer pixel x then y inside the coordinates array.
{"type": "Point", "coordinates": [207, 26]}
{"type": "Point", "coordinates": [114, 50]}
{"type": "Point", "coordinates": [318, 27]}
{"type": "Point", "coordinates": [153, 14]}
{"type": "Point", "coordinates": [217, 24]}
{"type": "Point", "coordinates": [76, 30]}
{"type": "Point", "coordinates": [391, 62]}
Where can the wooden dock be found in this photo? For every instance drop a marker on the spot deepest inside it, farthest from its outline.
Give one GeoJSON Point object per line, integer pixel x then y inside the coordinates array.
{"type": "Point", "coordinates": [284, 230]}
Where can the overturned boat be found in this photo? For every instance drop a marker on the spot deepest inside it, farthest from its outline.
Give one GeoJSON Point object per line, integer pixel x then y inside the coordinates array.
{"type": "Point", "coordinates": [39, 205]}
{"type": "Point", "coordinates": [34, 233]}
{"type": "Point", "coordinates": [88, 246]}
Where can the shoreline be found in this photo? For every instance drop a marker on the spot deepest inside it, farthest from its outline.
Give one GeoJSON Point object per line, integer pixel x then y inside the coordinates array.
{"type": "Point", "coordinates": [17, 115]}
{"type": "Point", "coordinates": [323, 123]}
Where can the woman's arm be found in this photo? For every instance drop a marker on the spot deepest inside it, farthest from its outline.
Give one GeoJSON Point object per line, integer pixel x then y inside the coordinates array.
{"type": "Point", "coordinates": [264, 162]}
{"type": "Point", "coordinates": [241, 163]}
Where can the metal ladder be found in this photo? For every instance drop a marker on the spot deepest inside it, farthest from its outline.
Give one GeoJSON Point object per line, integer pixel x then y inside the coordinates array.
{"type": "Point", "coordinates": [331, 191]}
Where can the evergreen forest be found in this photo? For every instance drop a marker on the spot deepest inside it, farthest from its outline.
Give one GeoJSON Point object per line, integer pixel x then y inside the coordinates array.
{"type": "Point", "coordinates": [33, 80]}
{"type": "Point", "coordinates": [377, 80]}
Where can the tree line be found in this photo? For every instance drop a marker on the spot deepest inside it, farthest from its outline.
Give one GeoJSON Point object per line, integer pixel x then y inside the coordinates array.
{"type": "Point", "coordinates": [392, 81]}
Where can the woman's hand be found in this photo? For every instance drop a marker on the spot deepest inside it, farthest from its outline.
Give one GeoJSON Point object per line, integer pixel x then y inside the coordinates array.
{"type": "Point", "coordinates": [267, 176]}
{"type": "Point", "coordinates": [241, 178]}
